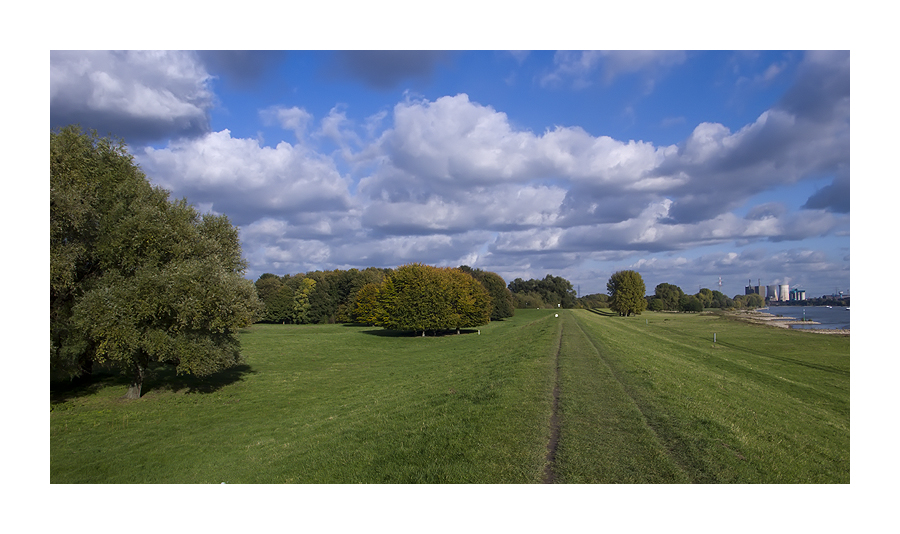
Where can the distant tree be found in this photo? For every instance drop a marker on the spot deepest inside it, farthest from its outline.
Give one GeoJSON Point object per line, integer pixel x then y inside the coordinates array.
{"type": "Point", "coordinates": [720, 300]}
{"type": "Point", "coordinates": [280, 308]}
{"type": "Point", "coordinates": [754, 301]}
{"type": "Point", "coordinates": [324, 299]}
{"type": "Point", "coordinates": [529, 300]}
{"type": "Point", "coordinates": [552, 290]}
{"type": "Point", "coordinates": [656, 304]}
{"type": "Point", "coordinates": [277, 297]}
{"type": "Point", "coordinates": [301, 300]}
{"type": "Point", "coordinates": [267, 285]}
{"type": "Point", "coordinates": [690, 303]}
{"type": "Point", "coordinates": [368, 309]}
{"type": "Point", "coordinates": [626, 290]}
{"type": "Point", "coordinates": [137, 278]}
{"type": "Point", "coordinates": [670, 296]}
{"type": "Point", "coordinates": [503, 303]}
{"type": "Point", "coordinates": [748, 301]}
{"type": "Point", "coordinates": [706, 297]}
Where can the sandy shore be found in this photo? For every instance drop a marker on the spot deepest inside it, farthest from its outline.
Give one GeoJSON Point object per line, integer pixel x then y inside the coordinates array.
{"type": "Point", "coordinates": [768, 319]}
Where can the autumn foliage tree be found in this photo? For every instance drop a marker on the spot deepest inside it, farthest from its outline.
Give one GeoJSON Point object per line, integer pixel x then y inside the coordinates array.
{"type": "Point", "coordinates": [422, 298]}
{"type": "Point", "coordinates": [367, 308]}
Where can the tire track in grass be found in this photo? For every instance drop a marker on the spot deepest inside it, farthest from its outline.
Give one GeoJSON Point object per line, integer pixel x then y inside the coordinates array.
{"type": "Point", "coordinates": [553, 444]}
{"type": "Point", "coordinates": [643, 455]}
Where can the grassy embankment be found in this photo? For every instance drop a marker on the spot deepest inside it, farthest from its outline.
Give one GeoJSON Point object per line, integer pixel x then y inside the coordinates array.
{"type": "Point", "coordinates": [642, 399]}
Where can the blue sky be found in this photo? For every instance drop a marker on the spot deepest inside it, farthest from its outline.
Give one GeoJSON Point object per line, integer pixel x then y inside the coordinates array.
{"type": "Point", "coordinates": [685, 166]}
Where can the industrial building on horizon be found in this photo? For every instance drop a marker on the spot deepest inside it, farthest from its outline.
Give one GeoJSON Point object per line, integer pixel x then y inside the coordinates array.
{"type": "Point", "coordinates": [775, 292]}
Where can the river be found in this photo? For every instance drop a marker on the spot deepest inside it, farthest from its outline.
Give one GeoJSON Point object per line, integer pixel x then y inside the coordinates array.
{"type": "Point", "coordinates": [831, 318]}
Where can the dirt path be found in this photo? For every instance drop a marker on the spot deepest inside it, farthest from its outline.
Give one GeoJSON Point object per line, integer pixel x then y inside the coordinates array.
{"type": "Point", "coordinates": [550, 470]}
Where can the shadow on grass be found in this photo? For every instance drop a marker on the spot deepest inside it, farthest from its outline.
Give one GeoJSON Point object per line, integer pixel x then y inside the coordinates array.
{"type": "Point", "coordinates": [165, 378]}
{"type": "Point", "coordinates": [603, 312]}
{"type": "Point", "coordinates": [161, 378]}
{"type": "Point", "coordinates": [381, 332]}
{"type": "Point", "coordinates": [62, 391]}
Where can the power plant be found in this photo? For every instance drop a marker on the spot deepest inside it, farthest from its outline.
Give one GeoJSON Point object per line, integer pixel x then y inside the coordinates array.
{"type": "Point", "coordinates": [775, 292]}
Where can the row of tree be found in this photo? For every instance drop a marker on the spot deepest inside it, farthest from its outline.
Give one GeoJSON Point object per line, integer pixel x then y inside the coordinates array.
{"type": "Point", "coordinates": [669, 297]}
{"type": "Point", "coordinates": [334, 296]}
{"type": "Point", "coordinates": [315, 297]}
{"type": "Point", "coordinates": [627, 296]}
{"type": "Point", "coordinates": [551, 292]}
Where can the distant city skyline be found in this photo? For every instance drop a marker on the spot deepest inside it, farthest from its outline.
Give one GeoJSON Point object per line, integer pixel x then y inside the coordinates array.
{"type": "Point", "coordinates": [683, 166]}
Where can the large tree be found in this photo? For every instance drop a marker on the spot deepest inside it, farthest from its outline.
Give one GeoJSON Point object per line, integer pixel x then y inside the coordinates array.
{"type": "Point", "coordinates": [669, 295]}
{"type": "Point", "coordinates": [422, 298]}
{"type": "Point", "coordinates": [626, 290]}
{"type": "Point", "coordinates": [135, 277]}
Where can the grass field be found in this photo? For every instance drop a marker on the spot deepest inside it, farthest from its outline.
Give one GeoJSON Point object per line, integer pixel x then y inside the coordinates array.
{"type": "Point", "coordinates": [641, 399]}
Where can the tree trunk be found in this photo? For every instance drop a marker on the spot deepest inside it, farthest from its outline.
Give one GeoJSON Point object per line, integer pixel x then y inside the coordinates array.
{"type": "Point", "coordinates": [87, 367]}
{"type": "Point", "coordinates": [137, 380]}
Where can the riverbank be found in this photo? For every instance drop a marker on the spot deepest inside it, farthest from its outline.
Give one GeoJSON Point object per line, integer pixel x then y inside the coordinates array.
{"type": "Point", "coordinates": [768, 319]}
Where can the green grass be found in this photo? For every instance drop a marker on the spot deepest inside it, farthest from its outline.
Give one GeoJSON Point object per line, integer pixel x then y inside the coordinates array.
{"type": "Point", "coordinates": [330, 403]}
{"type": "Point", "coordinates": [760, 405]}
{"type": "Point", "coordinates": [642, 399]}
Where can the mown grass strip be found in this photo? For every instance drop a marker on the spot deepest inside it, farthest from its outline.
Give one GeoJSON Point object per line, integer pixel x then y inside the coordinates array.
{"type": "Point", "coordinates": [760, 405]}
{"type": "Point", "coordinates": [604, 437]}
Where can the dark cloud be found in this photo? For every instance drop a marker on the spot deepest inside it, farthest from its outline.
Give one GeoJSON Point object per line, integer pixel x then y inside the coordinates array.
{"type": "Point", "coordinates": [385, 69]}
{"type": "Point", "coordinates": [135, 131]}
{"type": "Point", "coordinates": [583, 207]}
{"type": "Point", "coordinates": [822, 89]}
{"type": "Point", "coordinates": [139, 96]}
{"type": "Point", "coordinates": [242, 67]}
{"type": "Point", "coordinates": [692, 208]}
{"type": "Point", "coordinates": [834, 197]}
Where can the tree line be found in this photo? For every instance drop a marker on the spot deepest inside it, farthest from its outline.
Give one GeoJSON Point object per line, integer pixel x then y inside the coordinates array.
{"type": "Point", "coordinates": [385, 297]}
{"type": "Point", "coordinates": [669, 297]}
{"type": "Point", "coordinates": [551, 292]}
